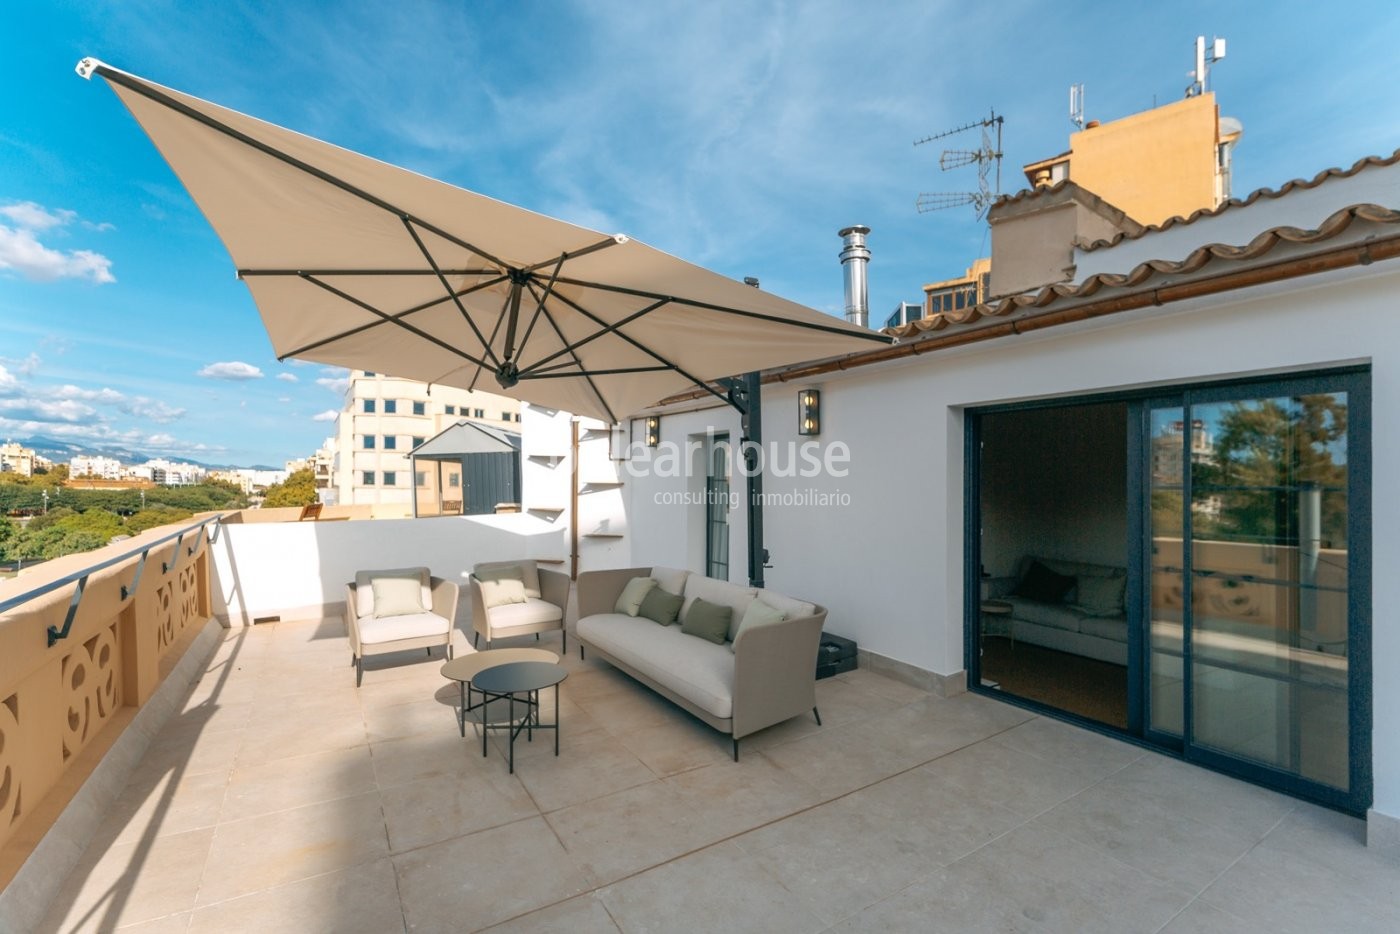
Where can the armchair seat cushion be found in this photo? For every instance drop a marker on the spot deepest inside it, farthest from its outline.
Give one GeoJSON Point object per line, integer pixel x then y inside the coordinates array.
{"type": "Point", "coordinates": [530, 613]}
{"type": "Point", "coordinates": [702, 672]}
{"type": "Point", "coordinates": [379, 629]}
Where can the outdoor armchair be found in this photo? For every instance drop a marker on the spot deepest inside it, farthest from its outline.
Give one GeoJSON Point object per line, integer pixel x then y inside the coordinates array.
{"type": "Point", "coordinates": [399, 609]}
{"type": "Point", "coordinates": [516, 598]}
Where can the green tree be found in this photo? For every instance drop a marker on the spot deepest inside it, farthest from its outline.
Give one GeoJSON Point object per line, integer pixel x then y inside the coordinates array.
{"type": "Point", "coordinates": [9, 531]}
{"type": "Point", "coordinates": [154, 516]}
{"type": "Point", "coordinates": [299, 489]}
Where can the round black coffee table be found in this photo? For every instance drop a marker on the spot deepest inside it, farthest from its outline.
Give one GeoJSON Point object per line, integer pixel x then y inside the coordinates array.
{"type": "Point", "coordinates": [517, 678]}
{"type": "Point", "coordinates": [464, 668]}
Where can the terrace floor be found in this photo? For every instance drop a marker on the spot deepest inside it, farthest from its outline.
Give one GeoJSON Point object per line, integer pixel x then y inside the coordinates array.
{"type": "Point", "coordinates": [283, 799]}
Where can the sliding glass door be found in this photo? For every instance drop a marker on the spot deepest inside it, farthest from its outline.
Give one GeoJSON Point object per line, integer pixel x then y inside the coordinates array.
{"type": "Point", "coordinates": [1253, 603]}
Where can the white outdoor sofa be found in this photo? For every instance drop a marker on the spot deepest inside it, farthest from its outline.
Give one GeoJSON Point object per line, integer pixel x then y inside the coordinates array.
{"type": "Point", "coordinates": [765, 676]}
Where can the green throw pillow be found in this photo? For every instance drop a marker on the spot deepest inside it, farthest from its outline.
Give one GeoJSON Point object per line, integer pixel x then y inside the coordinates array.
{"type": "Point", "coordinates": [397, 596]}
{"type": "Point", "coordinates": [1101, 596]}
{"type": "Point", "coordinates": [708, 621]}
{"type": "Point", "coordinates": [660, 606]}
{"type": "Point", "coordinates": [630, 601]}
{"type": "Point", "coordinates": [758, 614]}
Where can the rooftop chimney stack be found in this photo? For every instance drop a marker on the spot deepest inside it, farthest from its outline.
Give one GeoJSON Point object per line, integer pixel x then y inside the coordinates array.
{"type": "Point", "coordinates": [854, 257]}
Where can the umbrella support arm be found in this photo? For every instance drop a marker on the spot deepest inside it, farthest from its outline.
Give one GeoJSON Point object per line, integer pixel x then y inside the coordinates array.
{"type": "Point", "coordinates": [745, 394]}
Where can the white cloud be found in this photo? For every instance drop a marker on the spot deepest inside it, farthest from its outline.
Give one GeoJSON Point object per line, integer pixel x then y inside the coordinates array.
{"type": "Point", "coordinates": [284, 399]}
{"type": "Point", "coordinates": [21, 251]}
{"type": "Point", "coordinates": [335, 385]}
{"type": "Point", "coordinates": [8, 382]}
{"type": "Point", "coordinates": [26, 366]}
{"type": "Point", "coordinates": [44, 410]}
{"type": "Point", "coordinates": [287, 377]}
{"type": "Point", "coordinates": [329, 415]}
{"type": "Point", "coordinates": [235, 370]}
{"type": "Point", "coordinates": [31, 216]}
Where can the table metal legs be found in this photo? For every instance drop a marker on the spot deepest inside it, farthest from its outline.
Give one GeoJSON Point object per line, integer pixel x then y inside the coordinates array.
{"type": "Point", "coordinates": [528, 723]}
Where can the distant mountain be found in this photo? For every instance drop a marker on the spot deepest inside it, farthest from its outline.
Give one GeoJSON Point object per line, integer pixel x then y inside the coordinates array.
{"type": "Point", "coordinates": [61, 452]}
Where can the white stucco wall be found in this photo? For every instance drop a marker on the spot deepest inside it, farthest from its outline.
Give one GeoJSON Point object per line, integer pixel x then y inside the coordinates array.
{"type": "Point", "coordinates": [890, 565]}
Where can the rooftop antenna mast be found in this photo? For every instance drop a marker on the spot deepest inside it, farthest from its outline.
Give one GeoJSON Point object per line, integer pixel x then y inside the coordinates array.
{"type": "Point", "coordinates": [986, 158]}
{"type": "Point", "coordinates": [1076, 105]}
{"type": "Point", "coordinates": [1205, 57]}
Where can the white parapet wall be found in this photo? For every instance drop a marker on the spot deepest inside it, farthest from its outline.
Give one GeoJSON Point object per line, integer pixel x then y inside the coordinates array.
{"type": "Point", "coordinates": [300, 569]}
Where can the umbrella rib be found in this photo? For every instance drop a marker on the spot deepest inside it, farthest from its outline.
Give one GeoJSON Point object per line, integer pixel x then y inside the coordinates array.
{"type": "Point", "coordinates": [612, 418]}
{"type": "Point", "coordinates": [584, 251]}
{"type": "Point", "coordinates": [131, 83]}
{"type": "Point", "coordinates": [724, 309]}
{"type": "Point", "coordinates": [387, 318]}
{"type": "Point", "coordinates": [447, 286]}
{"type": "Point", "coordinates": [471, 387]}
{"type": "Point", "coordinates": [613, 372]}
{"type": "Point", "coordinates": [538, 364]}
{"type": "Point", "coordinates": [243, 273]}
{"type": "Point", "coordinates": [549, 290]}
{"type": "Point", "coordinates": [396, 316]}
{"type": "Point", "coordinates": [648, 351]}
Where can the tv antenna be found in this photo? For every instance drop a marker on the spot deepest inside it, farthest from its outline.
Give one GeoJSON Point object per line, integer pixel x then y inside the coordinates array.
{"type": "Point", "coordinates": [1076, 105]}
{"type": "Point", "coordinates": [985, 158]}
{"type": "Point", "coordinates": [1205, 57]}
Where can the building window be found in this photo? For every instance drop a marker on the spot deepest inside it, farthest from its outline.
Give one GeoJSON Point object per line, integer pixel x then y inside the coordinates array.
{"type": "Point", "coordinates": [505, 416]}
{"type": "Point", "coordinates": [420, 478]}
{"type": "Point", "coordinates": [369, 442]}
{"type": "Point", "coordinates": [391, 442]}
{"type": "Point", "coordinates": [369, 406]}
{"type": "Point", "coordinates": [417, 440]}
{"type": "Point", "coordinates": [454, 480]}
{"type": "Point", "coordinates": [451, 410]}
{"type": "Point", "coordinates": [389, 477]}
{"type": "Point", "coordinates": [480, 413]}
{"type": "Point", "coordinates": [368, 373]}
{"type": "Point", "coordinates": [369, 478]}
{"type": "Point", "coordinates": [390, 406]}
{"type": "Point", "coordinates": [517, 416]}
{"type": "Point", "coordinates": [419, 409]}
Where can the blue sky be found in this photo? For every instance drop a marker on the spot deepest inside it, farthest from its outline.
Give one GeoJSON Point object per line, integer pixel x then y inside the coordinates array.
{"type": "Point", "coordinates": [741, 136]}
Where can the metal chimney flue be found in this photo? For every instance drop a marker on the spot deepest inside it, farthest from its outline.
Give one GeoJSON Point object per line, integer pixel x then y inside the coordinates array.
{"type": "Point", "coordinates": [855, 255]}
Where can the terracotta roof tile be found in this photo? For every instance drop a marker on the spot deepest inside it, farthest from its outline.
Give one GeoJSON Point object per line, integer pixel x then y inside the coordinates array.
{"type": "Point", "coordinates": [1296, 184]}
{"type": "Point", "coordinates": [1139, 275]}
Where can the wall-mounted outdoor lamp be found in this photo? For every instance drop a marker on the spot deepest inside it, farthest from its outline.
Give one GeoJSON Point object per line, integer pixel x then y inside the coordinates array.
{"type": "Point", "coordinates": [809, 412]}
{"type": "Point", "coordinates": [653, 430]}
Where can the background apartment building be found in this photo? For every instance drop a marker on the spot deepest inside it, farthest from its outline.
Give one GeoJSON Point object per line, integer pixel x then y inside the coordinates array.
{"type": "Point", "coordinates": [17, 459]}
{"type": "Point", "coordinates": [384, 418]}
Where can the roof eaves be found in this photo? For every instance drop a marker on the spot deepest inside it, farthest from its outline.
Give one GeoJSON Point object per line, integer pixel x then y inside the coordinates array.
{"type": "Point", "coordinates": [1297, 184]}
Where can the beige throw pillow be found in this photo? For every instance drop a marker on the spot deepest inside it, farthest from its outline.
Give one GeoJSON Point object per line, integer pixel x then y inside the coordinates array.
{"type": "Point", "coordinates": [630, 600]}
{"type": "Point", "coordinates": [758, 614]}
{"type": "Point", "coordinates": [501, 592]}
{"type": "Point", "coordinates": [396, 596]}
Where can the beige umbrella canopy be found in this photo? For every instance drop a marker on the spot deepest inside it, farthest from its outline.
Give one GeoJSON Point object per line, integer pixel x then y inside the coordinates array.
{"type": "Point", "coordinates": [362, 264]}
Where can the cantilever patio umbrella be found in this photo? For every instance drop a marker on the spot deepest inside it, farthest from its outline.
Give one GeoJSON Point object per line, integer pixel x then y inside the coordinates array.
{"type": "Point", "coordinates": [362, 264]}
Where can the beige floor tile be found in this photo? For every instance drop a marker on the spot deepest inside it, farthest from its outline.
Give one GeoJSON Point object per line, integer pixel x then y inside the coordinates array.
{"type": "Point", "coordinates": [584, 914]}
{"type": "Point", "coordinates": [131, 882]}
{"type": "Point", "coordinates": [478, 880]}
{"type": "Point", "coordinates": [846, 855]}
{"type": "Point", "coordinates": [628, 831]}
{"type": "Point", "coordinates": [1202, 918]}
{"type": "Point", "coordinates": [360, 900]}
{"type": "Point", "coordinates": [425, 756]}
{"type": "Point", "coordinates": [1091, 754]}
{"type": "Point", "coordinates": [732, 797]}
{"type": "Point", "coordinates": [279, 784]}
{"type": "Point", "coordinates": [627, 710]}
{"type": "Point", "coordinates": [168, 805]}
{"type": "Point", "coordinates": [186, 756]}
{"type": "Point", "coordinates": [1203, 795]}
{"type": "Point", "coordinates": [923, 796]}
{"type": "Point", "coordinates": [719, 889]}
{"type": "Point", "coordinates": [996, 773]}
{"type": "Point", "coordinates": [678, 746]}
{"type": "Point", "coordinates": [1142, 832]}
{"type": "Point", "coordinates": [284, 738]}
{"type": "Point", "coordinates": [429, 714]}
{"type": "Point", "coordinates": [170, 924]}
{"type": "Point", "coordinates": [839, 760]}
{"type": "Point", "coordinates": [436, 809]}
{"type": "Point", "coordinates": [842, 702]}
{"type": "Point", "coordinates": [884, 685]}
{"type": "Point", "coordinates": [261, 852]}
{"type": "Point", "coordinates": [588, 766]}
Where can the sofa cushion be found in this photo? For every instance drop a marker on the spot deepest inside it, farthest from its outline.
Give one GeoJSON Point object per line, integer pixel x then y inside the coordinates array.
{"type": "Point", "coordinates": [790, 608]}
{"type": "Point", "coordinates": [734, 596]}
{"type": "Point", "coordinates": [701, 672]}
{"type": "Point", "coordinates": [505, 591]}
{"type": "Point", "coordinates": [1100, 596]}
{"type": "Point", "coordinates": [707, 620]}
{"type": "Point", "coordinates": [660, 606]}
{"type": "Point", "coordinates": [531, 612]}
{"type": "Point", "coordinates": [758, 614]}
{"type": "Point", "coordinates": [630, 600]}
{"type": "Point", "coordinates": [528, 572]}
{"type": "Point", "coordinates": [1054, 615]}
{"type": "Point", "coordinates": [364, 587]}
{"type": "Point", "coordinates": [397, 596]}
{"type": "Point", "coordinates": [671, 580]}
{"type": "Point", "coordinates": [374, 630]}
{"type": "Point", "coordinates": [1105, 627]}
{"type": "Point", "coordinates": [1041, 583]}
